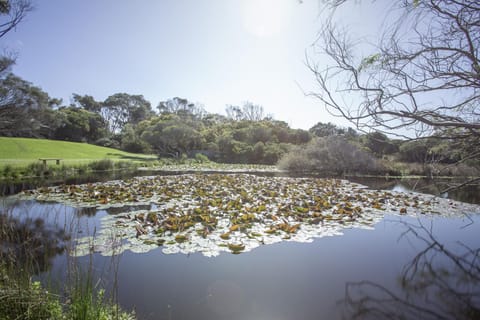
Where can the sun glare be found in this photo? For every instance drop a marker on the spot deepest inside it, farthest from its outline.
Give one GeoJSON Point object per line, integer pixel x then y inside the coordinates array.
{"type": "Point", "coordinates": [264, 18]}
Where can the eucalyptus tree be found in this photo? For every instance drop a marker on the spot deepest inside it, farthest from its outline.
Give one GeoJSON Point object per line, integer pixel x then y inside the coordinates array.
{"type": "Point", "coordinates": [248, 111]}
{"type": "Point", "coordinates": [25, 110]}
{"type": "Point", "coordinates": [122, 108]}
{"type": "Point", "coordinates": [87, 102]}
{"type": "Point", "coordinates": [181, 107]}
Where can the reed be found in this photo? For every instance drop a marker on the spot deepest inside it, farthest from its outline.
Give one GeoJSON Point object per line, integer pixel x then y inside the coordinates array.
{"type": "Point", "coordinates": [28, 244]}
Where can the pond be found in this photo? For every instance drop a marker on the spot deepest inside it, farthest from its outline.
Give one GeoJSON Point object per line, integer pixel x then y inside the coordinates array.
{"type": "Point", "coordinates": [306, 248]}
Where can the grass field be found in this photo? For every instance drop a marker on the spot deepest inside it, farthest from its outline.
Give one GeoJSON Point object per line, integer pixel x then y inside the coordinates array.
{"type": "Point", "coordinates": [22, 151]}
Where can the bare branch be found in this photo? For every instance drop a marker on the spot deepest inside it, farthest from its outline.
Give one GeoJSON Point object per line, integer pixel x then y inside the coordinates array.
{"type": "Point", "coordinates": [423, 74]}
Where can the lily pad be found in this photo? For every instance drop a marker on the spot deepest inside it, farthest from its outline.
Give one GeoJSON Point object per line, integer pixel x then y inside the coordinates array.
{"type": "Point", "coordinates": [210, 213]}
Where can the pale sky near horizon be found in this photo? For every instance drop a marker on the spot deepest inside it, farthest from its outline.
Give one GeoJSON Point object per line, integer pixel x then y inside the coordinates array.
{"type": "Point", "coordinates": [214, 52]}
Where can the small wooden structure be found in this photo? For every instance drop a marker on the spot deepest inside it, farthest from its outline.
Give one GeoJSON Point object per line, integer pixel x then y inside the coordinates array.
{"type": "Point", "coordinates": [44, 160]}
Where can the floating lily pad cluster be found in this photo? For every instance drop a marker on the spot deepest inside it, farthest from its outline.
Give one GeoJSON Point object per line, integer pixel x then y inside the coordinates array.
{"type": "Point", "coordinates": [211, 213]}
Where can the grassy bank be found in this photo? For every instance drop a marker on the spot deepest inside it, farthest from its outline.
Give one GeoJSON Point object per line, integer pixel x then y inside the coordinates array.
{"type": "Point", "coordinates": [20, 159]}
{"type": "Point", "coordinates": [24, 151]}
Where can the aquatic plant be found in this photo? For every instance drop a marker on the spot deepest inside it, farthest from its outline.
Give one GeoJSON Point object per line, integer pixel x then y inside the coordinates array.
{"type": "Point", "coordinates": [211, 213]}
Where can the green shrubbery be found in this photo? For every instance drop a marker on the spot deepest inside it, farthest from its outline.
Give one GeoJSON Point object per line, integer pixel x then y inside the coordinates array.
{"type": "Point", "coordinates": [332, 155]}
{"type": "Point", "coordinates": [21, 298]}
{"type": "Point", "coordinates": [27, 247]}
{"type": "Point", "coordinates": [27, 300]}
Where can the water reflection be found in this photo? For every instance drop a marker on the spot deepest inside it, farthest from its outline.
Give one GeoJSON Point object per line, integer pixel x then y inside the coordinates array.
{"type": "Point", "coordinates": [86, 211]}
{"type": "Point", "coordinates": [440, 282]}
{"type": "Point", "coordinates": [30, 243]}
{"type": "Point", "coordinates": [129, 208]}
{"type": "Point", "coordinates": [469, 193]}
{"type": "Point", "coordinates": [288, 280]}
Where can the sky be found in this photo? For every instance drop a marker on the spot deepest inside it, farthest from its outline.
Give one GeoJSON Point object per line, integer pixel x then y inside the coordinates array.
{"type": "Point", "coordinates": [213, 52]}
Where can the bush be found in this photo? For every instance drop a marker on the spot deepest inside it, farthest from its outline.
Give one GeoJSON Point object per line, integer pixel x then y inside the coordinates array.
{"type": "Point", "coordinates": [138, 146]}
{"type": "Point", "coordinates": [26, 301]}
{"type": "Point", "coordinates": [107, 142]}
{"type": "Point", "coordinates": [330, 155]}
{"type": "Point", "coordinates": [201, 158]}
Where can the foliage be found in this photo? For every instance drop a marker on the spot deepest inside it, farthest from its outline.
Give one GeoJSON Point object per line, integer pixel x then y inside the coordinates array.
{"type": "Point", "coordinates": [25, 110]}
{"type": "Point", "coordinates": [201, 158]}
{"type": "Point", "coordinates": [79, 125]}
{"type": "Point", "coordinates": [132, 142]}
{"type": "Point", "coordinates": [330, 155]}
{"type": "Point", "coordinates": [87, 102]}
{"type": "Point", "coordinates": [122, 108]}
{"type": "Point", "coordinates": [26, 301]}
{"type": "Point", "coordinates": [88, 302]}
{"type": "Point", "coordinates": [21, 298]}
{"type": "Point", "coordinates": [100, 165]}
{"type": "Point", "coordinates": [379, 144]}
{"type": "Point", "coordinates": [326, 129]}
{"type": "Point", "coordinates": [182, 108]}
{"type": "Point", "coordinates": [27, 247]}
{"type": "Point", "coordinates": [12, 12]}
{"type": "Point", "coordinates": [211, 213]}
{"type": "Point", "coordinates": [248, 112]}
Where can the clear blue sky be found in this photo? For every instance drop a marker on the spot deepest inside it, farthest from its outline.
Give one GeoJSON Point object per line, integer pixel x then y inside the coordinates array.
{"type": "Point", "coordinates": [215, 52]}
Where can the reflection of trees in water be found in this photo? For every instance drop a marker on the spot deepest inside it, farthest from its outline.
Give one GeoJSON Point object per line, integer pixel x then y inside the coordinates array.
{"type": "Point", "coordinates": [29, 243]}
{"type": "Point", "coordinates": [92, 211]}
{"type": "Point", "coordinates": [438, 283]}
{"type": "Point", "coordinates": [123, 209]}
{"type": "Point", "coordinates": [469, 192]}
{"type": "Point", "coordinates": [86, 211]}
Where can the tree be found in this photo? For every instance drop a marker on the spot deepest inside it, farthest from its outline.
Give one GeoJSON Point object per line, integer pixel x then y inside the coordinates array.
{"type": "Point", "coordinates": [249, 112]}
{"type": "Point", "coordinates": [379, 144]}
{"type": "Point", "coordinates": [79, 125]}
{"type": "Point", "coordinates": [181, 107]}
{"type": "Point", "coordinates": [122, 108]}
{"type": "Point", "coordinates": [423, 74]}
{"type": "Point", "coordinates": [131, 141]}
{"type": "Point", "coordinates": [12, 12]}
{"type": "Point", "coordinates": [87, 102]}
{"type": "Point", "coordinates": [25, 110]}
{"type": "Point", "coordinates": [326, 129]}
{"type": "Point", "coordinates": [171, 135]}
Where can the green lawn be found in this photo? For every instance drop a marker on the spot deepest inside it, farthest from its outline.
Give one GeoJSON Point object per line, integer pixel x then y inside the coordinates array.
{"type": "Point", "coordinates": [22, 151]}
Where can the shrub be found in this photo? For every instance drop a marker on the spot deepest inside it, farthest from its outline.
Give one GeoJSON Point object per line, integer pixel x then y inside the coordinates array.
{"type": "Point", "coordinates": [201, 158]}
{"type": "Point", "coordinates": [107, 142]}
{"type": "Point", "coordinates": [330, 155]}
{"type": "Point", "coordinates": [26, 301]}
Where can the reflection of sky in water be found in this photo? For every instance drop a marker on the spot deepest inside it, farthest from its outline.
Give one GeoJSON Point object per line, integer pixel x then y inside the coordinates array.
{"type": "Point", "coordinates": [400, 188]}
{"type": "Point", "coordinates": [286, 280]}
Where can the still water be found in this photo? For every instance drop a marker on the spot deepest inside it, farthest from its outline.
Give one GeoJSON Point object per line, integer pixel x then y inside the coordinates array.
{"type": "Point", "coordinates": [405, 268]}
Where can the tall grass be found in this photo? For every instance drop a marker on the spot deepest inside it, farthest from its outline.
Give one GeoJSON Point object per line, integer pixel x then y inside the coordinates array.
{"type": "Point", "coordinates": [27, 247]}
